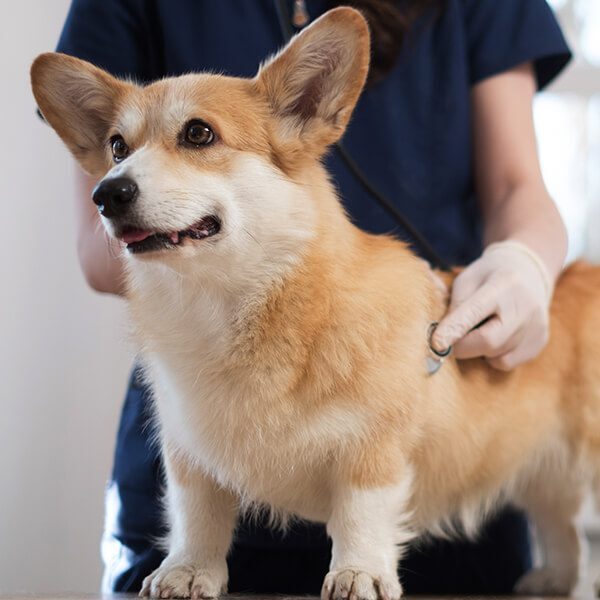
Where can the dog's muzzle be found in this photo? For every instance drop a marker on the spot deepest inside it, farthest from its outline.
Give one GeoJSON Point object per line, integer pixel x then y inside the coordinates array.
{"type": "Point", "coordinates": [114, 197]}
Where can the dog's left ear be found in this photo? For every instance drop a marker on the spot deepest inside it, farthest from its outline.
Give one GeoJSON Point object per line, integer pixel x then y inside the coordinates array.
{"type": "Point", "coordinates": [79, 101]}
{"type": "Point", "coordinates": [313, 84]}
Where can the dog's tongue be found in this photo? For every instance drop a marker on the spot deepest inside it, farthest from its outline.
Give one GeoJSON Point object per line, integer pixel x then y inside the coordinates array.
{"type": "Point", "coordinates": [135, 235]}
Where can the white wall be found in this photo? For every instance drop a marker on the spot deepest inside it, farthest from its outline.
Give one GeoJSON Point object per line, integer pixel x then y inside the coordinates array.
{"type": "Point", "coordinates": [63, 366]}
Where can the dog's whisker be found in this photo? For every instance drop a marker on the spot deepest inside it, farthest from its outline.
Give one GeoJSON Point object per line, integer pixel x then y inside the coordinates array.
{"type": "Point", "coordinates": [254, 238]}
{"type": "Point", "coordinates": [99, 227]}
{"type": "Point", "coordinates": [114, 247]}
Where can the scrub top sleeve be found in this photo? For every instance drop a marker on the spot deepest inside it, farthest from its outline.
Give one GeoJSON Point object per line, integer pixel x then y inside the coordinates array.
{"type": "Point", "coordinates": [112, 34]}
{"type": "Point", "coordinates": [501, 34]}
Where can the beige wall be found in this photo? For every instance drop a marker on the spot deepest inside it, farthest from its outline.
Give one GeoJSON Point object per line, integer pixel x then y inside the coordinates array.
{"type": "Point", "coordinates": [63, 365]}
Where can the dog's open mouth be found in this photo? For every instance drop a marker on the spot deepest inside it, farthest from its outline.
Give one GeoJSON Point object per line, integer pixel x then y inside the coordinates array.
{"type": "Point", "coordinates": [142, 240]}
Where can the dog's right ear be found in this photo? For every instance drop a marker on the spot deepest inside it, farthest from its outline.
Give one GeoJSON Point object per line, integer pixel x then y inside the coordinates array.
{"type": "Point", "coordinates": [79, 101]}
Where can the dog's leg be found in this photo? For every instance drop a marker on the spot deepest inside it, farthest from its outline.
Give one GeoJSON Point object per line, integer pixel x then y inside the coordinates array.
{"type": "Point", "coordinates": [367, 527]}
{"type": "Point", "coordinates": [553, 511]}
{"type": "Point", "coordinates": [202, 519]}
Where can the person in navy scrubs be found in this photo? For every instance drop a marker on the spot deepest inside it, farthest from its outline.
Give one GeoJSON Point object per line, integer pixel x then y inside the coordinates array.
{"type": "Point", "coordinates": [445, 130]}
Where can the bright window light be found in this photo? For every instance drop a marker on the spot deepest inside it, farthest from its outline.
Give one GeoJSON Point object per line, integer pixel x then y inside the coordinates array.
{"type": "Point", "coordinates": [588, 17]}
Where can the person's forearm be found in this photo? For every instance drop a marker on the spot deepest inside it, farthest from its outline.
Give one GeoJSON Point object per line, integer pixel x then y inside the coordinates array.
{"type": "Point", "coordinates": [100, 257]}
{"type": "Point", "coordinates": [499, 303]}
{"type": "Point", "coordinates": [529, 215]}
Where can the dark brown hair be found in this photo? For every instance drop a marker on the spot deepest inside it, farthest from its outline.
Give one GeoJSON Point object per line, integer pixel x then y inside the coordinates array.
{"type": "Point", "coordinates": [390, 21]}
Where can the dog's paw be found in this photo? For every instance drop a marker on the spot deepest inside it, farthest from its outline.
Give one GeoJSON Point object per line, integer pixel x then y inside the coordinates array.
{"type": "Point", "coordinates": [354, 584]}
{"type": "Point", "coordinates": [546, 582]}
{"type": "Point", "coordinates": [182, 581]}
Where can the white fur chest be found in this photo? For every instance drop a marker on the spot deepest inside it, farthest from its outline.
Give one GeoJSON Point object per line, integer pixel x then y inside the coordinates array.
{"type": "Point", "coordinates": [247, 443]}
{"type": "Point", "coordinates": [265, 447]}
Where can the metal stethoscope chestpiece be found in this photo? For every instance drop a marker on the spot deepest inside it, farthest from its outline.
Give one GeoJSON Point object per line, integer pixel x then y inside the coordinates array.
{"type": "Point", "coordinates": [435, 360]}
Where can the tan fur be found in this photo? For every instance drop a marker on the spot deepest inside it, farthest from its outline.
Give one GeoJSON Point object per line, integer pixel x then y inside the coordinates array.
{"type": "Point", "coordinates": [287, 356]}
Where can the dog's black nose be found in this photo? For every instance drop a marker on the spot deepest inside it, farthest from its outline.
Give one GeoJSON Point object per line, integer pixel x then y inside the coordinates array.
{"type": "Point", "coordinates": [113, 197]}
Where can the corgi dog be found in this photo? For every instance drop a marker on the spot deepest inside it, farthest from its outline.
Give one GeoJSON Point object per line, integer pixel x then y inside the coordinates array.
{"type": "Point", "coordinates": [286, 348]}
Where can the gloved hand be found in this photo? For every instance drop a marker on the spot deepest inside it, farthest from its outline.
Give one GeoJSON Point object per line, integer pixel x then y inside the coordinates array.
{"type": "Point", "coordinates": [510, 286]}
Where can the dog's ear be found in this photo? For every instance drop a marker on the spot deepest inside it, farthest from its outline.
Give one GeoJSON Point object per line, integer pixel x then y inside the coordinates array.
{"type": "Point", "coordinates": [79, 101]}
{"type": "Point", "coordinates": [313, 84]}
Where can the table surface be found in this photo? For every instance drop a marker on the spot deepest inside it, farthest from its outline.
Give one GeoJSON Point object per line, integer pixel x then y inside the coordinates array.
{"type": "Point", "coordinates": [73, 596]}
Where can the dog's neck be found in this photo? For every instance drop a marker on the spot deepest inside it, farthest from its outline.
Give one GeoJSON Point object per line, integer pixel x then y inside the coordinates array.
{"type": "Point", "coordinates": [214, 293]}
{"type": "Point", "coordinates": [274, 320]}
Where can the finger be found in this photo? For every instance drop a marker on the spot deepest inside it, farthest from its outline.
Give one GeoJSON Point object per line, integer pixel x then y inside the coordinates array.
{"type": "Point", "coordinates": [466, 284]}
{"type": "Point", "coordinates": [532, 342]}
{"type": "Point", "coordinates": [506, 362]}
{"type": "Point", "coordinates": [492, 339]}
{"type": "Point", "coordinates": [459, 321]}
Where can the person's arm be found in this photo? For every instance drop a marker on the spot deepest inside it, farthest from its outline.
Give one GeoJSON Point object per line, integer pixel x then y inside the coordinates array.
{"type": "Point", "coordinates": [100, 257]}
{"type": "Point", "coordinates": [514, 200]}
{"type": "Point", "coordinates": [116, 36]}
{"type": "Point", "coordinates": [511, 283]}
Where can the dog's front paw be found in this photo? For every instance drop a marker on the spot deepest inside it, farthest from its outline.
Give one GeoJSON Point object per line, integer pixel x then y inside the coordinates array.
{"type": "Point", "coordinates": [354, 584]}
{"type": "Point", "coordinates": [183, 581]}
{"type": "Point", "coordinates": [546, 582]}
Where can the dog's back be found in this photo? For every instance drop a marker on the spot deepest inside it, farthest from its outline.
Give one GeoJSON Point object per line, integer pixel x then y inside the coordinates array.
{"type": "Point", "coordinates": [576, 308]}
{"type": "Point", "coordinates": [552, 428]}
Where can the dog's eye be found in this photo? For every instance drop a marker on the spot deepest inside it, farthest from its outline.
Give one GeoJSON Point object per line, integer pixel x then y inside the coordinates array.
{"type": "Point", "coordinates": [198, 133]}
{"type": "Point", "coordinates": [119, 148]}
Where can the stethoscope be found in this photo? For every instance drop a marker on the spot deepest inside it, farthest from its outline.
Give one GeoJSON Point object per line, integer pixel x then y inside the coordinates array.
{"type": "Point", "coordinates": [299, 19]}
{"type": "Point", "coordinates": [435, 358]}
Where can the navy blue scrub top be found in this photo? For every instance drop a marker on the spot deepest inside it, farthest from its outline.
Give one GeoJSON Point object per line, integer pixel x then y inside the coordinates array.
{"type": "Point", "coordinates": [411, 132]}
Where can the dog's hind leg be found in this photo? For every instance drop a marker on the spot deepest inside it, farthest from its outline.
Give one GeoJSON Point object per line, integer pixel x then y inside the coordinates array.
{"type": "Point", "coordinates": [553, 504]}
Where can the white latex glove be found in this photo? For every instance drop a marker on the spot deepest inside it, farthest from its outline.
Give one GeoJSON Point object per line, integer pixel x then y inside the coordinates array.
{"type": "Point", "coordinates": [509, 285]}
